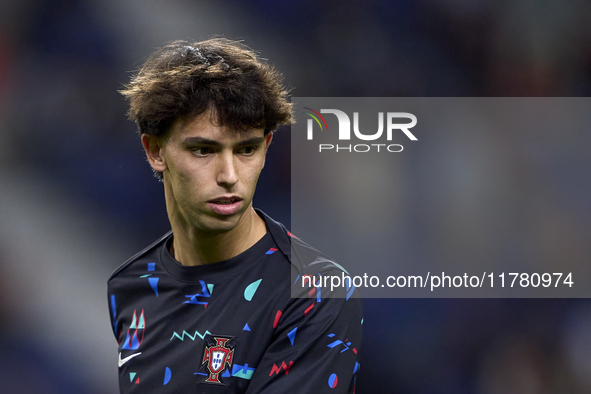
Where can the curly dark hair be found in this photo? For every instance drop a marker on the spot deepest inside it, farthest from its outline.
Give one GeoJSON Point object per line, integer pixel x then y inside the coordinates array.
{"type": "Point", "coordinates": [182, 80]}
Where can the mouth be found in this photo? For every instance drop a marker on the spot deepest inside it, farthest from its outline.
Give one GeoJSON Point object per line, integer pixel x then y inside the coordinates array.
{"type": "Point", "coordinates": [225, 200]}
{"type": "Point", "coordinates": [227, 205]}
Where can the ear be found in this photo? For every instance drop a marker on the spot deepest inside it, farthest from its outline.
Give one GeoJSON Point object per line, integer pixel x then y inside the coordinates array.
{"type": "Point", "coordinates": [268, 139]}
{"type": "Point", "coordinates": [154, 151]}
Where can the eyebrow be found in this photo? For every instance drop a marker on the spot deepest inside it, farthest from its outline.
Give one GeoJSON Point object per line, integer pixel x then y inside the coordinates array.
{"type": "Point", "coordinates": [252, 141]}
{"type": "Point", "coordinates": [199, 141]}
{"type": "Point", "coordinates": [207, 141]}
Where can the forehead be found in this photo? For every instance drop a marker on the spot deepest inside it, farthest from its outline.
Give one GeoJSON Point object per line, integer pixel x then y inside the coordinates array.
{"type": "Point", "coordinates": [204, 126]}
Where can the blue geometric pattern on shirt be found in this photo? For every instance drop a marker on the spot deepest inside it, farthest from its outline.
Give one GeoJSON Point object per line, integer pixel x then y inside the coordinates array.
{"type": "Point", "coordinates": [204, 293]}
{"type": "Point", "coordinates": [242, 371]}
{"type": "Point", "coordinates": [291, 335]}
{"type": "Point", "coordinates": [153, 281]}
{"type": "Point", "coordinates": [197, 334]}
{"type": "Point", "coordinates": [167, 376]}
{"type": "Point", "coordinates": [131, 343]}
{"type": "Point", "coordinates": [135, 332]}
{"type": "Point", "coordinates": [318, 289]}
{"type": "Point", "coordinates": [338, 342]}
{"type": "Point", "coordinates": [114, 309]}
{"type": "Point", "coordinates": [350, 287]}
{"type": "Point", "coordinates": [154, 284]}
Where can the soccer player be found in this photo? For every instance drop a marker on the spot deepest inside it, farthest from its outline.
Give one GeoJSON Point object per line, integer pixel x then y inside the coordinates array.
{"type": "Point", "coordinates": [208, 307]}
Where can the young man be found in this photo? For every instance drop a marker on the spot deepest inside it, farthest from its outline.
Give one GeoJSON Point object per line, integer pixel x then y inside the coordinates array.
{"type": "Point", "coordinates": [208, 308]}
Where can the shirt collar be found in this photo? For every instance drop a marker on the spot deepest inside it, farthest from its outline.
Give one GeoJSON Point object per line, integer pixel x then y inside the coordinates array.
{"type": "Point", "coordinates": [279, 233]}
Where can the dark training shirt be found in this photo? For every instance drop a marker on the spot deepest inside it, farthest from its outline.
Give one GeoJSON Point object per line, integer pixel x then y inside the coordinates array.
{"type": "Point", "coordinates": [233, 326]}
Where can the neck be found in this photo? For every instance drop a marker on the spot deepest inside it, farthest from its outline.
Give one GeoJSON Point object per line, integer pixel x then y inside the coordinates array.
{"type": "Point", "coordinates": [193, 247]}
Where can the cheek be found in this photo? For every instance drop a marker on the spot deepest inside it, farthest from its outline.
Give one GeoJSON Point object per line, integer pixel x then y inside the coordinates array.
{"type": "Point", "coordinates": [188, 180]}
{"type": "Point", "coordinates": [255, 169]}
{"type": "Point", "coordinates": [253, 175]}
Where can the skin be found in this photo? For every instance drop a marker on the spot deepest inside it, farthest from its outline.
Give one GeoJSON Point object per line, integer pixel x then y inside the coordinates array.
{"type": "Point", "coordinates": [201, 163]}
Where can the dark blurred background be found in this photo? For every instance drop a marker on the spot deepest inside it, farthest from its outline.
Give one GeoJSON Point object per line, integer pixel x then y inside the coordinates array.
{"type": "Point", "coordinates": [77, 197]}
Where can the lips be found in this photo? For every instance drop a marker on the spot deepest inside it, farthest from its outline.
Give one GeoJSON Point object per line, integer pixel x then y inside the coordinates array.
{"type": "Point", "coordinates": [225, 200]}
{"type": "Point", "coordinates": [225, 205]}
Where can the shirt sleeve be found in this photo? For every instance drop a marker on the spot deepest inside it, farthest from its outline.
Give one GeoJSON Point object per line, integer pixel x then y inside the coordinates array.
{"type": "Point", "coordinates": [315, 348]}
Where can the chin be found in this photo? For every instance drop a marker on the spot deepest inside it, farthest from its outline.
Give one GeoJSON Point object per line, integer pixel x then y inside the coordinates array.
{"type": "Point", "coordinates": [221, 224]}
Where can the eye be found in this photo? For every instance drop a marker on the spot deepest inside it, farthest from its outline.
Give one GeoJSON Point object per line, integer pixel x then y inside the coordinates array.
{"type": "Point", "coordinates": [202, 150]}
{"type": "Point", "coordinates": [247, 150]}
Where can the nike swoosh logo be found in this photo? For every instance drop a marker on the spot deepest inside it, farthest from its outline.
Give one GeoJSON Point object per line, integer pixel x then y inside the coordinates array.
{"type": "Point", "coordinates": [126, 359]}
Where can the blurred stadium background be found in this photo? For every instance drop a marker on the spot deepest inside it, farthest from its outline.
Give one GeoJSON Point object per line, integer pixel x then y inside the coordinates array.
{"type": "Point", "coordinates": [77, 198]}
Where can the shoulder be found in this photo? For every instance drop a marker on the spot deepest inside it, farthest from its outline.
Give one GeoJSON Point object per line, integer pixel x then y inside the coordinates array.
{"type": "Point", "coordinates": [309, 266]}
{"type": "Point", "coordinates": [150, 252]}
{"type": "Point", "coordinates": [304, 258]}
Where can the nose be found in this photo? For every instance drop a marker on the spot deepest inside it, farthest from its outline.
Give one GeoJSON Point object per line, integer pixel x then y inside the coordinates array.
{"type": "Point", "coordinates": [227, 174]}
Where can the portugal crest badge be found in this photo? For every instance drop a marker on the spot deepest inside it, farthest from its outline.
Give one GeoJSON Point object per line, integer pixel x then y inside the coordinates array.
{"type": "Point", "coordinates": [218, 354]}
